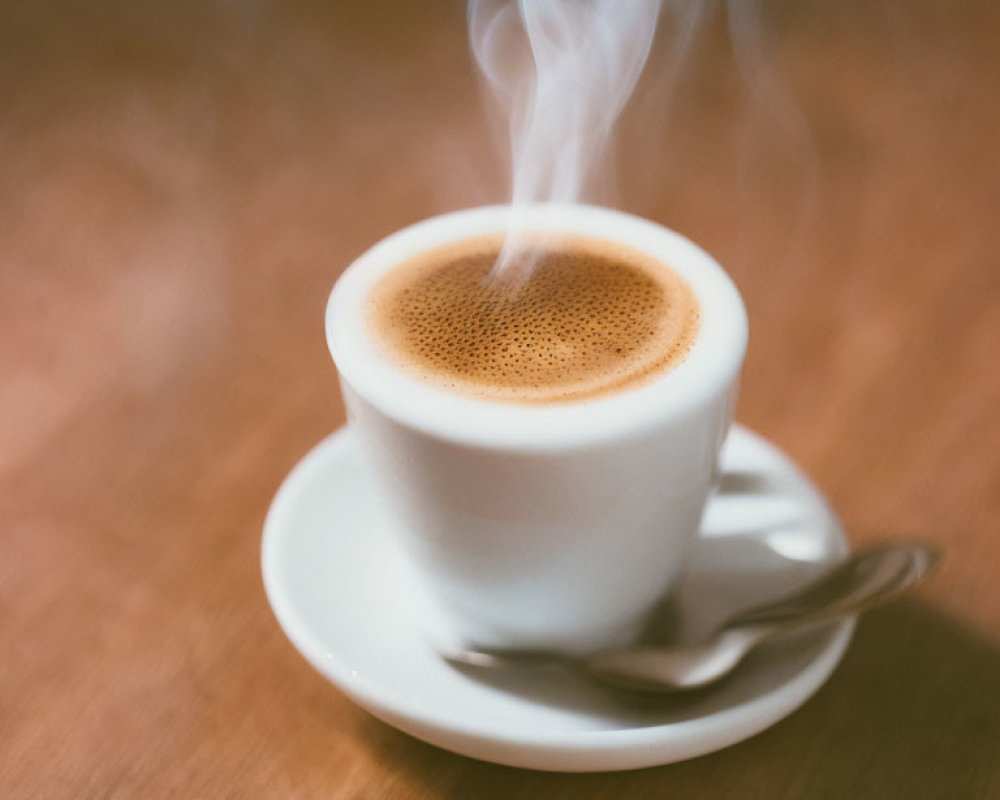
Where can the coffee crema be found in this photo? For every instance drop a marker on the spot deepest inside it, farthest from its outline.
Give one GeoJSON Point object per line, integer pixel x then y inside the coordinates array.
{"type": "Point", "coordinates": [594, 318]}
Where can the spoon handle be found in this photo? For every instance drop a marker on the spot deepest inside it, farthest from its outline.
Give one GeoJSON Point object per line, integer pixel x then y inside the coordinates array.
{"type": "Point", "coordinates": [867, 579]}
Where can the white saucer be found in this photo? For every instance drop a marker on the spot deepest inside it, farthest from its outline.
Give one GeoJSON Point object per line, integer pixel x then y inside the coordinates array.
{"type": "Point", "coordinates": [344, 598]}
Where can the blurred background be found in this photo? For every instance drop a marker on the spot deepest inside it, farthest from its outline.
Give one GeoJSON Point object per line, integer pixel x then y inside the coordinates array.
{"type": "Point", "coordinates": [181, 185]}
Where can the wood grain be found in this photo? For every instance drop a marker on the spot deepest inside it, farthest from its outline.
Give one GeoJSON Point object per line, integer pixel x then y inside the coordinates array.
{"type": "Point", "coordinates": [182, 184]}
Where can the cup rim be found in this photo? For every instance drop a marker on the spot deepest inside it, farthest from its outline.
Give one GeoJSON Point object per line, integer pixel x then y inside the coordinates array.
{"type": "Point", "coordinates": [710, 367]}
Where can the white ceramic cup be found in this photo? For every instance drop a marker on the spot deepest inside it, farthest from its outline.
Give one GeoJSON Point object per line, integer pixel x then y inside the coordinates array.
{"type": "Point", "coordinates": [554, 526]}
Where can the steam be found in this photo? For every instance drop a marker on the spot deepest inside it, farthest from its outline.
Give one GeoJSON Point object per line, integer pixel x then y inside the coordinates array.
{"type": "Point", "coordinates": [561, 71]}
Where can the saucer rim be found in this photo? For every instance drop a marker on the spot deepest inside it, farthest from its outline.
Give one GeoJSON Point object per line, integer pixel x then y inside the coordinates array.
{"type": "Point", "coordinates": [656, 743]}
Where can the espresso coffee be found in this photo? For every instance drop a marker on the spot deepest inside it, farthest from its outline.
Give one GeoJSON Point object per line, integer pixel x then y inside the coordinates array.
{"type": "Point", "coordinates": [594, 318]}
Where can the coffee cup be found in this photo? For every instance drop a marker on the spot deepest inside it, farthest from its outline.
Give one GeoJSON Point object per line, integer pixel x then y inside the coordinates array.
{"type": "Point", "coordinates": [550, 521]}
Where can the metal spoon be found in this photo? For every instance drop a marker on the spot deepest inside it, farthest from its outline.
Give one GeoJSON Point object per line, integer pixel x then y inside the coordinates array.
{"type": "Point", "coordinates": [867, 579]}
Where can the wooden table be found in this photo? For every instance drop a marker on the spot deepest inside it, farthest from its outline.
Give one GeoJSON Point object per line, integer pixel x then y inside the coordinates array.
{"type": "Point", "coordinates": [182, 183]}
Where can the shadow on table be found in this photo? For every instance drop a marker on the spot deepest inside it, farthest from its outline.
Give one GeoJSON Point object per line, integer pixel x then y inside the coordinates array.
{"type": "Point", "coordinates": [912, 712]}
